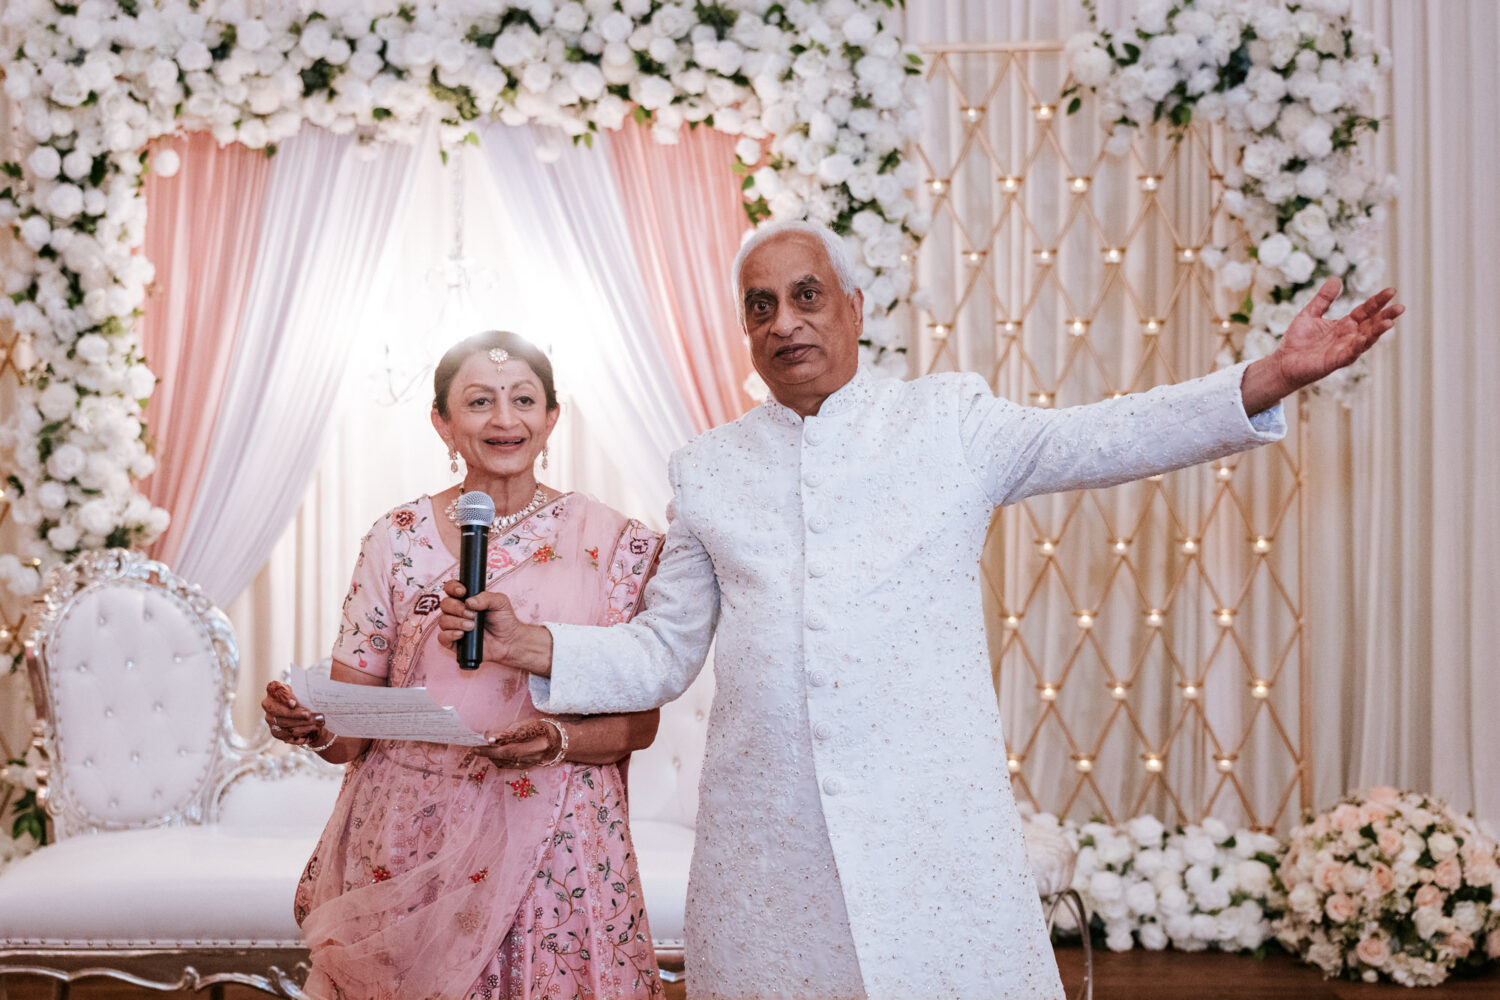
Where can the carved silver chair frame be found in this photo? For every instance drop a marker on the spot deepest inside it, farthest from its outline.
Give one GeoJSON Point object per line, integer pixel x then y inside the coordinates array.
{"type": "Point", "coordinates": [276, 971]}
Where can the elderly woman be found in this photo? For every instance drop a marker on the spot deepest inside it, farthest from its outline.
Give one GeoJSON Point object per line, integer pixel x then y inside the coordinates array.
{"type": "Point", "coordinates": [502, 871]}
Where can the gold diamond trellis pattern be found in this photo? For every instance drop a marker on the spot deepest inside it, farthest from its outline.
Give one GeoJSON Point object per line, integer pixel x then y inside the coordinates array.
{"type": "Point", "coordinates": [1147, 640]}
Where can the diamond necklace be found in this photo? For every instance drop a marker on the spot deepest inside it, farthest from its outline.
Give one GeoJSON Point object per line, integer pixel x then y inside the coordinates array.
{"type": "Point", "coordinates": [505, 521]}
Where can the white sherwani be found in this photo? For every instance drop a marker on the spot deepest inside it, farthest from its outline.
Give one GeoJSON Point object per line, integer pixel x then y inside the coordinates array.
{"type": "Point", "coordinates": [856, 830]}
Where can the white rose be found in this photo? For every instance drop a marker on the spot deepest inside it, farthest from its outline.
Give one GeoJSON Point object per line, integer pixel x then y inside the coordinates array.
{"type": "Point", "coordinates": [652, 92]}
{"type": "Point", "coordinates": [65, 201]}
{"type": "Point", "coordinates": [252, 35]}
{"type": "Point", "coordinates": [97, 517]}
{"type": "Point", "coordinates": [1153, 936]}
{"type": "Point", "coordinates": [1092, 66]}
{"type": "Point", "coordinates": [1146, 830]}
{"type": "Point", "coordinates": [1316, 140]}
{"type": "Point", "coordinates": [52, 496]}
{"type": "Point", "coordinates": [1106, 887]}
{"type": "Point", "coordinates": [1173, 900]}
{"type": "Point", "coordinates": [1429, 920]}
{"type": "Point", "coordinates": [71, 90]}
{"type": "Point", "coordinates": [588, 80]}
{"type": "Point", "coordinates": [166, 163]}
{"type": "Point", "coordinates": [63, 538]}
{"type": "Point", "coordinates": [1119, 938]}
{"type": "Point", "coordinates": [65, 462]}
{"type": "Point", "coordinates": [571, 17]}
{"type": "Point", "coordinates": [1236, 275]}
{"type": "Point", "coordinates": [1141, 898]}
{"type": "Point", "coordinates": [58, 400]}
{"type": "Point", "coordinates": [1197, 849]}
{"type": "Point", "coordinates": [1297, 267]}
{"type": "Point", "coordinates": [45, 162]}
{"type": "Point", "coordinates": [1274, 250]}
{"type": "Point", "coordinates": [161, 74]}
{"type": "Point", "coordinates": [1442, 845]}
{"type": "Point", "coordinates": [835, 169]}
{"type": "Point", "coordinates": [1253, 877]}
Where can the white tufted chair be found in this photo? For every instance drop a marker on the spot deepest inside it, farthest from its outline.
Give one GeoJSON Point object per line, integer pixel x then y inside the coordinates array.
{"type": "Point", "coordinates": [178, 844]}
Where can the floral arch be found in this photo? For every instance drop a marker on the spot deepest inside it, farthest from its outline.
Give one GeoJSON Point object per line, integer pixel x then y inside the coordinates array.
{"type": "Point", "coordinates": [822, 95]}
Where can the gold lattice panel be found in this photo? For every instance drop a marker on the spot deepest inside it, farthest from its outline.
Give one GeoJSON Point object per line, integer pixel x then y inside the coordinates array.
{"type": "Point", "coordinates": [1147, 640]}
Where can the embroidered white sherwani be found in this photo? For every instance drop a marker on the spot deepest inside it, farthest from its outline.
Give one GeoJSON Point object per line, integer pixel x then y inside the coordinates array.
{"type": "Point", "coordinates": [856, 829]}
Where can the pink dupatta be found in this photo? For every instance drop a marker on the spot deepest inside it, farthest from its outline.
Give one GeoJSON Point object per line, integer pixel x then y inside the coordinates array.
{"type": "Point", "coordinates": [430, 849]}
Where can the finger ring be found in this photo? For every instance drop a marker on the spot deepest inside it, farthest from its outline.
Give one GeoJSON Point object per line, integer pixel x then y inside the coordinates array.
{"type": "Point", "coordinates": [275, 728]}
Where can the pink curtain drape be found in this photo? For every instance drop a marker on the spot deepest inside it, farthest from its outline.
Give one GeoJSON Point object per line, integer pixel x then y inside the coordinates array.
{"type": "Point", "coordinates": [202, 234]}
{"type": "Point", "coordinates": [685, 215]}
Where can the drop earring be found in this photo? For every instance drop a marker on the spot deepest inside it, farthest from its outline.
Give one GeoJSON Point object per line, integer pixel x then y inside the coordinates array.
{"type": "Point", "coordinates": [453, 460]}
{"type": "Point", "coordinates": [544, 456]}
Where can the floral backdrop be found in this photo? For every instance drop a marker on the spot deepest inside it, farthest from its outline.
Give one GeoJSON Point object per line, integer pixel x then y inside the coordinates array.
{"type": "Point", "coordinates": [822, 95]}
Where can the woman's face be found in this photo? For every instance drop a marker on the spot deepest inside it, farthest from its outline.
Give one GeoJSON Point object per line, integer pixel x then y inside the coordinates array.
{"type": "Point", "coordinates": [497, 417]}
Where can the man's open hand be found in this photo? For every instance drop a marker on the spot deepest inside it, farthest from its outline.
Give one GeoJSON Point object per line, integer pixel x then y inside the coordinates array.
{"type": "Point", "coordinates": [1315, 346]}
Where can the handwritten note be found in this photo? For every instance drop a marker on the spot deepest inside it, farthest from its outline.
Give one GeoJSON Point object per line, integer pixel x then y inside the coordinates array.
{"type": "Point", "coordinates": [370, 712]}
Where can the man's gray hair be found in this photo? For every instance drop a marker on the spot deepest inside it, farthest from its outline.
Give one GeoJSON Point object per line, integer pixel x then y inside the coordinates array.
{"type": "Point", "coordinates": [838, 256]}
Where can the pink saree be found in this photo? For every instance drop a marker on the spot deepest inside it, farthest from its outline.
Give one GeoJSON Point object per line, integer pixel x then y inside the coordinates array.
{"type": "Point", "coordinates": [440, 876]}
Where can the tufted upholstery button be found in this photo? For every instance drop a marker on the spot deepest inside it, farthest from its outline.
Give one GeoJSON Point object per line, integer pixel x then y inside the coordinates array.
{"type": "Point", "coordinates": [677, 763]}
{"type": "Point", "coordinates": [135, 758]}
{"type": "Point", "coordinates": [109, 713]}
{"type": "Point", "coordinates": [156, 706]}
{"type": "Point", "coordinates": [182, 751]}
{"type": "Point", "coordinates": [83, 668]}
{"type": "Point", "coordinates": [832, 785]}
{"type": "Point", "coordinates": [129, 664]}
{"type": "Point", "coordinates": [146, 615]}
{"type": "Point", "coordinates": [88, 762]}
{"type": "Point", "coordinates": [700, 715]}
{"type": "Point", "coordinates": [114, 803]}
{"type": "Point", "coordinates": [103, 620]}
{"type": "Point", "coordinates": [177, 658]}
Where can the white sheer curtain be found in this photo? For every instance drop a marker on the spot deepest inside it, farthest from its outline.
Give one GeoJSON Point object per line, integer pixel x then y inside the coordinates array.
{"type": "Point", "coordinates": [569, 236]}
{"type": "Point", "coordinates": [328, 214]}
{"type": "Point", "coordinates": [1403, 486]}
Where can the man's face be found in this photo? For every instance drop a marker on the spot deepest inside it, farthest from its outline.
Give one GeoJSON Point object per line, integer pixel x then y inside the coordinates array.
{"type": "Point", "coordinates": [804, 331]}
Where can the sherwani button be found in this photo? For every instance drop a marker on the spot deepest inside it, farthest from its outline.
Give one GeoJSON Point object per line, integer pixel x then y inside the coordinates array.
{"type": "Point", "coordinates": [832, 785]}
{"type": "Point", "coordinates": [822, 730]}
{"type": "Point", "coordinates": [813, 436]}
{"type": "Point", "coordinates": [816, 622]}
{"type": "Point", "coordinates": [813, 478]}
{"type": "Point", "coordinates": [817, 679]}
{"type": "Point", "coordinates": [817, 523]}
{"type": "Point", "coordinates": [816, 569]}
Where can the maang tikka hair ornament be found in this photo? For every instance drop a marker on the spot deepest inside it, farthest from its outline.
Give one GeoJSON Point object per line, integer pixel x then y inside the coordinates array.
{"type": "Point", "coordinates": [499, 356]}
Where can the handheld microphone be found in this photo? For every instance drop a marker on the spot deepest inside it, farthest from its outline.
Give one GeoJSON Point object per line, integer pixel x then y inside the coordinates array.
{"type": "Point", "coordinates": [474, 513]}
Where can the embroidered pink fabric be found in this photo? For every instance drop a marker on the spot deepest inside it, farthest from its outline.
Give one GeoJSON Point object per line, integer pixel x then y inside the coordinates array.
{"type": "Point", "coordinates": [440, 875]}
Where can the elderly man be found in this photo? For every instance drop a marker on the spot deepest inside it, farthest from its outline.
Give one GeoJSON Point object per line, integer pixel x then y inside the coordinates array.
{"type": "Point", "coordinates": [856, 830]}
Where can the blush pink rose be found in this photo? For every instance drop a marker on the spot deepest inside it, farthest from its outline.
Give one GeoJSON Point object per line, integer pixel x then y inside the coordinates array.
{"type": "Point", "coordinates": [1374, 951]}
{"type": "Point", "coordinates": [1339, 908]}
{"type": "Point", "coordinates": [1429, 895]}
{"type": "Point", "coordinates": [1326, 876]}
{"type": "Point", "coordinates": [1382, 880]}
{"type": "Point", "coordinates": [1460, 944]}
{"type": "Point", "coordinates": [1390, 842]}
{"type": "Point", "coordinates": [1374, 812]}
{"type": "Point", "coordinates": [1448, 874]}
{"type": "Point", "coordinates": [1384, 795]}
{"type": "Point", "coordinates": [1346, 818]}
{"type": "Point", "coordinates": [1479, 860]}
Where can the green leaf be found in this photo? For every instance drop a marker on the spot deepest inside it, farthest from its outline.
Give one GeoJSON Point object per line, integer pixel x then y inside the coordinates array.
{"type": "Point", "coordinates": [15, 484]}
{"type": "Point", "coordinates": [380, 114]}
{"type": "Point", "coordinates": [641, 115]}
{"type": "Point", "coordinates": [1074, 105]}
{"type": "Point", "coordinates": [1181, 115]}
{"type": "Point", "coordinates": [11, 169]}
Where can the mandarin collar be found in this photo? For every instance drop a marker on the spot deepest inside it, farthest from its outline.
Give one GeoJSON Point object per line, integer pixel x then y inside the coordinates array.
{"type": "Point", "coordinates": [849, 395]}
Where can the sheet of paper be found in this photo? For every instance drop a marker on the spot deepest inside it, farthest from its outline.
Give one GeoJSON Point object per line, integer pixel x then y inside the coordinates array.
{"type": "Point", "coordinates": [377, 712]}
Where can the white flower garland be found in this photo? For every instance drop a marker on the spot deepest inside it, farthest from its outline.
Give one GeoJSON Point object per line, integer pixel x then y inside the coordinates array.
{"type": "Point", "coordinates": [821, 93]}
{"type": "Point", "coordinates": [1293, 82]}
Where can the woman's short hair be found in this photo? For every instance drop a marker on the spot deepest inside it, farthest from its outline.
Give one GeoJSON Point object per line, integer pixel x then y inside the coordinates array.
{"type": "Point", "coordinates": [517, 346]}
{"type": "Point", "coordinates": [838, 255]}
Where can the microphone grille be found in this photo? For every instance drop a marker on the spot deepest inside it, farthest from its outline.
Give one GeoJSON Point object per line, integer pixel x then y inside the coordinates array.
{"type": "Point", "coordinates": [474, 507]}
